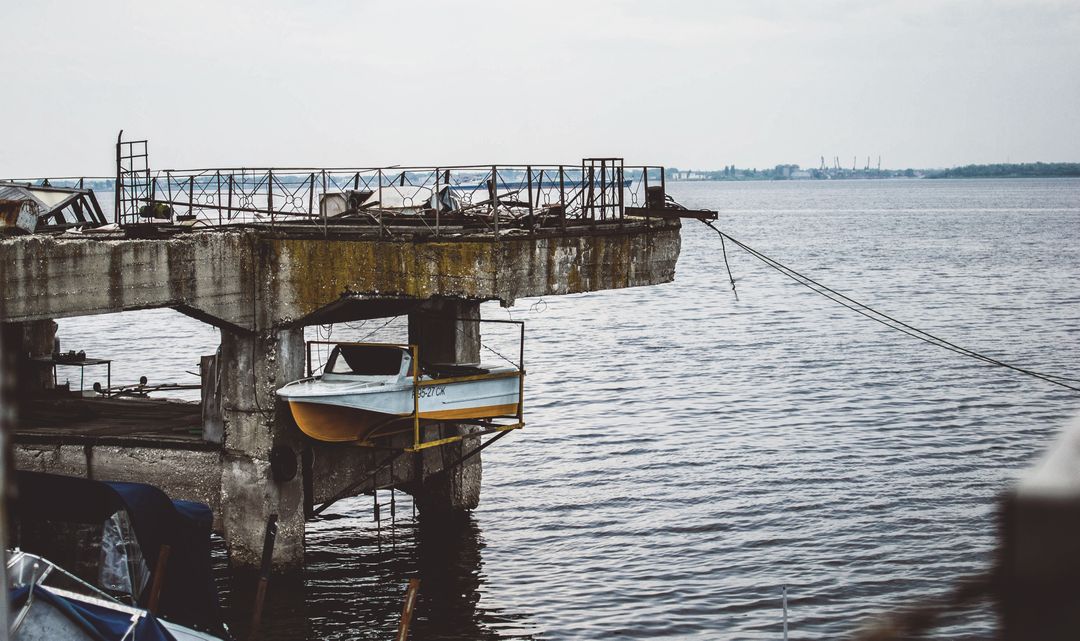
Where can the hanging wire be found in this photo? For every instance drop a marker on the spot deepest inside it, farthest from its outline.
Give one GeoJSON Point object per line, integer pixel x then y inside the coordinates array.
{"type": "Point", "coordinates": [723, 248]}
{"type": "Point", "coordinates": [378, 329]}
{"type": "Point", "coordinates": [889, 321]}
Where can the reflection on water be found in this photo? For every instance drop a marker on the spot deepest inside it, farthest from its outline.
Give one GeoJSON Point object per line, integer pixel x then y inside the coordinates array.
{"type": "Point", "coordinates": [355, 575]}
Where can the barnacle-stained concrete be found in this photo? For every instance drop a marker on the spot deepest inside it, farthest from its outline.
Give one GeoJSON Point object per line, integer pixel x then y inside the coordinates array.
{"type": "Point", "coordinates": [253, 279]}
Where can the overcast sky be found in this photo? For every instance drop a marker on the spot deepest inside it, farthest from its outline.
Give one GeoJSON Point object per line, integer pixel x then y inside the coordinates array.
{"type": "Point", "coordinates": [686, 84]}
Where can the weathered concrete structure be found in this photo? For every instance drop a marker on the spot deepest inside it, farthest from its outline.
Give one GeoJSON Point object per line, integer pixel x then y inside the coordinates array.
{"type": "Point", "coordinates": [261, 287]}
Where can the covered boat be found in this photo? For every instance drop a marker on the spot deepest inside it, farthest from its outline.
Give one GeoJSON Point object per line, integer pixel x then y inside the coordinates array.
{"type": "Point", "coordinates": [48, 603]}
{"type": "Point", "coordinates": [368, 390]}
{"type": "Point", "coordinates": [111, 535]}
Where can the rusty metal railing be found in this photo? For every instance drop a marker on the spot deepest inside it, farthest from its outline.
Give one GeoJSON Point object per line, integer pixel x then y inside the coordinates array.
{"type": "Point", "coordinates": [436, 200]}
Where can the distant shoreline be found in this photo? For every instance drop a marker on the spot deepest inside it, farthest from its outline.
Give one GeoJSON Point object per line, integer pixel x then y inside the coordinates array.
{"type": "Point", "coordinates": [794, 172]}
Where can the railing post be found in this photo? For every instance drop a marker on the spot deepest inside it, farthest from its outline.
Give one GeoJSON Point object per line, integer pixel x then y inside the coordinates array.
{"type": "Point", "coordinates": [191, 194]}
{"type": "Point", "coordinates": [621, 189]}
{"type": "Point", "coordinates": [228, 212]}
{"type": "Point", "coordinates": [592, 188]}
{"type": "Point", "coordinates": [311, 196]}
{"type": "Point", "coordinates": [217, 179]}
{"type": "Point", "coordinates": [168, 186]}
{"type": "Point", "coordinates": [438, 201]}
{"type": "Point", "coordinates": [322, 210]}
{"type": "Point", "coordinates": [528, 170]}
{"type": "Point", "coordinates": [380, 202]}
{"type": "Point", "coordinates": [270, 195]}
{"type": "Point", "coordinates": [603, 189]}
{"type": "Point", "coordinates": [118, 186]}
{"type": "Point", "coordinates": [562, 197]}
{"type": "Point", "coordinates": [494, 197]}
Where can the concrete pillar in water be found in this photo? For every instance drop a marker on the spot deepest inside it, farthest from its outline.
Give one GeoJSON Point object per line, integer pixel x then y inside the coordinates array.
{"type": "Point", "coordinates": [259, 474]}
{"type": "Point", "coordinates": [447, 331]}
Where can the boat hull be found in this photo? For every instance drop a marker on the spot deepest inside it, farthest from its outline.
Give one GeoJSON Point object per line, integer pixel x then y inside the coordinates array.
{"type": "Point", "coordinates": [361, 414]}
{"type": "Point", "coordinates": [338, 424]}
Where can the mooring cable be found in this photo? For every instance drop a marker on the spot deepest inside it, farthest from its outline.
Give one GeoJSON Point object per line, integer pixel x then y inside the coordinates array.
{"type": "Point", "coordinates": [884, 319]}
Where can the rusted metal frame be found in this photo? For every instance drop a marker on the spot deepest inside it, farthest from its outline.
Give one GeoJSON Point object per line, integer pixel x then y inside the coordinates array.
{"type": "Point", "coordinates": [96, 207]}
{"type": "Point", "coordinates": [460, 437]}
{"type": "Point", "coordinates": [77, 209]}
{"type": "Point", "coordinates": [438, 200]}
{"type": "Point", "coordinates": [191, 194]}
{"type": "Point", "coordinates": [476, 450]}
{"type": "Point", "coordinates": [415, 349]}
{"type": "Point", "coordinates": [249, 210]}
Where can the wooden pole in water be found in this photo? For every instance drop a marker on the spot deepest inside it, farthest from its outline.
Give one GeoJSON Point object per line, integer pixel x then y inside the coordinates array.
{"type": "Point", "coordinates": [264, 576]}
{"type": "Point", "coordinates": [407, 610]}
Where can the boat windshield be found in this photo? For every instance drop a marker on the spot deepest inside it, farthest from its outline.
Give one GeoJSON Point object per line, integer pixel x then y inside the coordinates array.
{"type": "Point", "coordinates": [369, 360]}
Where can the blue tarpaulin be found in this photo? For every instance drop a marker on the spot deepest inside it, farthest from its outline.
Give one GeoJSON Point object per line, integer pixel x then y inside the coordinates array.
{"type": "Point", "coordinates": [101, 624]}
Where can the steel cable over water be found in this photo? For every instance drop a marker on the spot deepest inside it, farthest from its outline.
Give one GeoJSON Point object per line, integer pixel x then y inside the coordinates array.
{"type": "Point", "coordinates": [880, 317]}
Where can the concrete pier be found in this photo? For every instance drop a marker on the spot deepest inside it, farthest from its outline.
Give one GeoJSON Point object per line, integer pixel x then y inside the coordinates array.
{"type": "Point", "coordinates": [261, 288]}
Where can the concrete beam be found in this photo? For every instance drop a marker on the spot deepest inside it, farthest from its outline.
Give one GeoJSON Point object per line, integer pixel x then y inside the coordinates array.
{"type": "Point", "coordinates": [253, 280]}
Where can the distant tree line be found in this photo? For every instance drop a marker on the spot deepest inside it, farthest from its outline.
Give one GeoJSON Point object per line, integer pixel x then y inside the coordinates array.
{"type": "Point", "coordinates": [1012, 170]}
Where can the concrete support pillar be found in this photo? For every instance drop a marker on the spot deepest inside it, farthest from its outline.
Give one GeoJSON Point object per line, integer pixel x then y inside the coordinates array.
{"type": "Point", "coordinates": [26, 340]}
{"type": "Point", "coordinates": [259, 475]}
{"type": "Point", "coordinates": [447, 331]}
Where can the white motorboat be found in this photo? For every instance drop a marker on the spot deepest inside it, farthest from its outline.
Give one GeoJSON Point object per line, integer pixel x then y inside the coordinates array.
{"type": "Point", "coordinates": [369, 390]}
